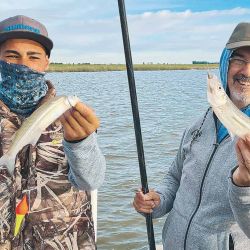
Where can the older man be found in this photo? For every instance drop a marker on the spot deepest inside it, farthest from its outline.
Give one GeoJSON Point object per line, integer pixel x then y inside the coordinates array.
{"type": "Point", "coordinates": [57, 174]}
{"type": "Point", "coordinates": [206, 209]}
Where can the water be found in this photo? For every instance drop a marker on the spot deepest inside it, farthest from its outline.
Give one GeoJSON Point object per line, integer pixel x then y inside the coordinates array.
{"type": "Point", "coordinates": [168, 102]}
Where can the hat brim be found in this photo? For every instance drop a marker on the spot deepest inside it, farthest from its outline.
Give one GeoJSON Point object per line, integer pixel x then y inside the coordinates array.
{"type": "Point", "coordinates": [43, 40]}
{"type": "Point", "coordinates": [236, 45]}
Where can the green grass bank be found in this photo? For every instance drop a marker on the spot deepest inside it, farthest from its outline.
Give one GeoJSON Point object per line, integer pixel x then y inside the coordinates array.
{"type": "Point", "coordinates": [57, 67]}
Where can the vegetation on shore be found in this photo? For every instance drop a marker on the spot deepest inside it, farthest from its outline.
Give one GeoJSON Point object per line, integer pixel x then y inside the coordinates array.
{"type": "Point", "coordinates": [86, 67]}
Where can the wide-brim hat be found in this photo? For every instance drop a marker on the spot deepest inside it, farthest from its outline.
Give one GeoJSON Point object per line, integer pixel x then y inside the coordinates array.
{"type": "Point", "coordinates": [23, 27]}
{"type": "Point", "coordinates": [240, 36]}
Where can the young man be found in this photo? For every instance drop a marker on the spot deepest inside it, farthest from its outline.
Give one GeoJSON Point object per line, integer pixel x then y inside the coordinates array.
{"type": "Point", "coordinates": [206, 192]}
{"type": "Point", "coordinates": [56, 175]}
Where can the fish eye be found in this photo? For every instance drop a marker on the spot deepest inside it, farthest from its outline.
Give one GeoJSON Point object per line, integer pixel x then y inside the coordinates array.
{"type": "Point", "coordinates": [219, 87]}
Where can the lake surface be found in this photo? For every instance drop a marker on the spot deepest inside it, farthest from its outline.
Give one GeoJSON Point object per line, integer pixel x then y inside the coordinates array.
{"type": "Point", "coordinates": [168, 102]}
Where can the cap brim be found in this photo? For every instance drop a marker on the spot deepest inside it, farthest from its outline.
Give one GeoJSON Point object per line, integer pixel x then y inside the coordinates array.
{"type": "Point", "coordinates": [236, 45]}
{"type": "Point", "coordinates": [43, 40]}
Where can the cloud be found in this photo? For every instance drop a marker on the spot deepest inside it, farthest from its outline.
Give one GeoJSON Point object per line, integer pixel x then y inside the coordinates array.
{"type": "Point", "coordinates": [163, 36]}
{"type": "Point", "coordinates": [85, 31]}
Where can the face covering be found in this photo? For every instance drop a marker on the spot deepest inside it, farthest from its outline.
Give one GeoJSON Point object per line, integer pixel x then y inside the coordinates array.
{"type": "Point", "coordinates": [21, 88]}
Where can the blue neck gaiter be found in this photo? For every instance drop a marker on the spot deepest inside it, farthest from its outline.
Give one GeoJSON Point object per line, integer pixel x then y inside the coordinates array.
{"type": "Point", "coordinates": [21, 88]}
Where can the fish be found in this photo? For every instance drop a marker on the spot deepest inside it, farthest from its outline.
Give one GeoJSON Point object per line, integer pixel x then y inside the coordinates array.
{"type": "Point", "coordinates": [32, 128]}
{"type": "Point", "coordinates": [236, 122]}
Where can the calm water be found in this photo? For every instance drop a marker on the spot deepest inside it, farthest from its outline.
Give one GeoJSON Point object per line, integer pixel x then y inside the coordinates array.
{"type": "Point", "coordinates": [168, 102]}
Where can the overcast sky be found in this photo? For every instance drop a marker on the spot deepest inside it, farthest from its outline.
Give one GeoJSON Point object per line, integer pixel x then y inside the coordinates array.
{"type": "Point", "coordinates": [165, 31]}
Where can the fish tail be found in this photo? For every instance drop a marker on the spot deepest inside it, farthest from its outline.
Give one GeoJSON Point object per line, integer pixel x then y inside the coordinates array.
{"type": "Point", "coordinates": [8, 162]}
{"type": "Point", "coordinates": [209, 75]}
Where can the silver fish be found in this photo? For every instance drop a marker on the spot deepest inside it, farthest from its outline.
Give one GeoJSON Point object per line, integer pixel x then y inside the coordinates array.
{"type": "Point", "coordinates": [34, 125]}
{"type": "Point", "coordinates": [236, 122]}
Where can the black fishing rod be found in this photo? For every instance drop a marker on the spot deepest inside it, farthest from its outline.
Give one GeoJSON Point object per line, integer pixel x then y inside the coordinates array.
{"type": "Point", "coordinates": [136, 117]}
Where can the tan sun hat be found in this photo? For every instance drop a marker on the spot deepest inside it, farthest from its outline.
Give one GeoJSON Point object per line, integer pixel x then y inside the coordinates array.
{"type": "Point", "coordinates": [240, 36]}
{"type": "Point", "coordinates": [25, 28]}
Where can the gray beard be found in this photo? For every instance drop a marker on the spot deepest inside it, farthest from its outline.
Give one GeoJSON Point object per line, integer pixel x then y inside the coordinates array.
{"type": "Point", "coordinates": [240, 98]}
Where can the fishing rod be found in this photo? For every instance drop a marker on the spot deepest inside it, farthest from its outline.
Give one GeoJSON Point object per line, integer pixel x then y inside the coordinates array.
{"type": "Point", "coordinates": [136, 117]}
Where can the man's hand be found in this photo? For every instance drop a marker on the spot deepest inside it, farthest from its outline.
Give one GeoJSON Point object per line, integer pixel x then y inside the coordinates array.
{"type": "Point", "coordinates": [79, 122]}
{"type": "Point", "coordinates": [146, 202]}
{"type": "Point", "coordinates": [241, 176]}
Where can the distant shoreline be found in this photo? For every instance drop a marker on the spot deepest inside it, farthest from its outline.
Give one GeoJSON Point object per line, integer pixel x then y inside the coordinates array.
{"type": "Point", "coordinates": [57, 67]}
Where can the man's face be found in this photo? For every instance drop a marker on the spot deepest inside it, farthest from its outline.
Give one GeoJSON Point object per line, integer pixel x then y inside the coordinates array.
{"type": "Point", "coordinates": [25, 52]}
{"type": "Point", "coordinates": [239, 77]}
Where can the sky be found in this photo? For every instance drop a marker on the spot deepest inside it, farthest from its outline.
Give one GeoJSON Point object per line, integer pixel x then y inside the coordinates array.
{"type": "Point", "coordinates": [160, 31]}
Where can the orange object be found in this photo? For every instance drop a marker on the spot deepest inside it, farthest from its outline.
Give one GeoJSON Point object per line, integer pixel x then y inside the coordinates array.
{"type": "Point", "coordinates": [21, 210]}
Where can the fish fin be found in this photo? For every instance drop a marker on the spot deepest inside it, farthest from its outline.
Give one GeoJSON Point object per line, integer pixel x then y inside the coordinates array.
{"type": "Point", "coordinates": [9, 162]}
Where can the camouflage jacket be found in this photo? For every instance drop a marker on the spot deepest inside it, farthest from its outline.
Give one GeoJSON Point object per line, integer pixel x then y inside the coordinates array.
{"type": "Point", "coordinates": [59, 214]}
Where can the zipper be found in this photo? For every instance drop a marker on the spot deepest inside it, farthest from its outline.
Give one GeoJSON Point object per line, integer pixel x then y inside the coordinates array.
{"type": "Point", "coordinates": [199, 202]}
{"type": "Point", "coordinates": [203, 179]}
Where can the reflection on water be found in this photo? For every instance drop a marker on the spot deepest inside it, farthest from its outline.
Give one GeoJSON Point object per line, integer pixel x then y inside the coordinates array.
{"type": "Point", "coordinates": [168, 102]}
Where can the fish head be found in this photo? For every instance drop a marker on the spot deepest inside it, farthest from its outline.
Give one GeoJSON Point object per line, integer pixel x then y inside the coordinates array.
{"type": "Point", "coordinates": [73, 100]}
{"type": "Point", "coordinates": [216, 94]}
